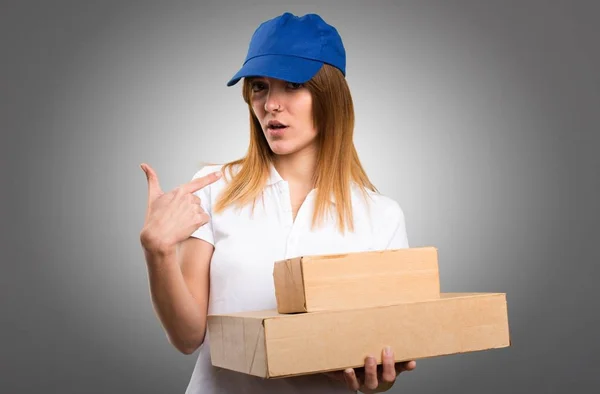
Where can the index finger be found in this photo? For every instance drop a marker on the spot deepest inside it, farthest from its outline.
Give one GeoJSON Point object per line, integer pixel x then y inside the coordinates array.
{"type": "Point", "coordinates": [198, 183]}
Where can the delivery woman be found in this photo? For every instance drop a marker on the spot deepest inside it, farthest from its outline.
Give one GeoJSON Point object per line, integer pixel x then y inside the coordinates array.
{"type": "Point", "coordinates": [300, 189]}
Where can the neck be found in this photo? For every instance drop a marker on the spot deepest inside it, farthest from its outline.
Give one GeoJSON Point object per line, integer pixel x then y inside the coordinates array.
{"type": "Point", "coordinates": [297, 168]}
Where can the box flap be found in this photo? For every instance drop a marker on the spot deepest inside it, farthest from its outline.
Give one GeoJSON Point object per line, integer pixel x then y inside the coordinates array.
{"type": "Point", "coordinates": [238, 343]}
{"type": "Point", "coordinates": [289, 291]}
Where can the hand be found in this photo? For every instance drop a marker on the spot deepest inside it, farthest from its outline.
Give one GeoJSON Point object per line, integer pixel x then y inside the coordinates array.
{"type": "Point", "coordinates": [373, 378]}
{"type": "Point", "coordinates": [172, 217]}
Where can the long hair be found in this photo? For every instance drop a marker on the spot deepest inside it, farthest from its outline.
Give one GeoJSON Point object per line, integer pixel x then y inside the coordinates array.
{"type": "Point", "coordinates": [337, 166]}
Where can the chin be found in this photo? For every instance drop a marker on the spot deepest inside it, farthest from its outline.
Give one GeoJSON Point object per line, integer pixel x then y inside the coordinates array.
{"type": "Point", "coordinates": [281, 148]}
{"type": "Point", "coordinates": [288, 146]}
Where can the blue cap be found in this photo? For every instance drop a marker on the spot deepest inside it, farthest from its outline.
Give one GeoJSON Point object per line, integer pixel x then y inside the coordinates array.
{"type": "Point", "coordinates": [293, 49]}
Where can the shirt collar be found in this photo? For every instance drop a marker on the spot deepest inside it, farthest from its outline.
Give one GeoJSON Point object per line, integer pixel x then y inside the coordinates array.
{"type": "Point", "coordinates": [275, 178]}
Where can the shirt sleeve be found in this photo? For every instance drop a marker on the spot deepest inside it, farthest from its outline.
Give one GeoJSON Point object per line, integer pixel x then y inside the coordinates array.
{"type": "Point", "coordinates": [392, 232]}
{"type": "Point", "coordinates": [205, 231]}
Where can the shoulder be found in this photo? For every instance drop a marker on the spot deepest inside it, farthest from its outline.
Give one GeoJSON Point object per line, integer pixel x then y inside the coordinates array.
{"type": "Point", "coordinates": [387, 221]}
{"type": "Point", "coordinates": [381, 208]}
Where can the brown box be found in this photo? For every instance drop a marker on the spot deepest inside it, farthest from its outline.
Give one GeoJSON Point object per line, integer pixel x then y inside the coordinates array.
{"type": "Point", "coordinates": [356, 280]}
{"type": "Point", "coordinates": [273, 345]}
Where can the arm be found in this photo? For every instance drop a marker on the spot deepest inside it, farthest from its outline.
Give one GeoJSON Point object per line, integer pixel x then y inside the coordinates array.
{"type": "Point", "coordinates": [179, 287]}
{"type": "Point", "coordinates": [178, 263]}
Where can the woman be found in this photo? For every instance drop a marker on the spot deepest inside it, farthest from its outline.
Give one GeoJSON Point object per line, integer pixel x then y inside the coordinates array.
{"type": "Point", "coordinates": [210, 244]}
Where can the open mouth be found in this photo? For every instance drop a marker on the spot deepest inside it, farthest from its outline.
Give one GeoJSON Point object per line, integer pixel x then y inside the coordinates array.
{"type": "Point", "coordinates": [275, 125]}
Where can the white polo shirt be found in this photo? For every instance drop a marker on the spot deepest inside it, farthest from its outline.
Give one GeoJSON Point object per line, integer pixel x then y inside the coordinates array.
{"type": "Point", "coordinates": [241, 270]}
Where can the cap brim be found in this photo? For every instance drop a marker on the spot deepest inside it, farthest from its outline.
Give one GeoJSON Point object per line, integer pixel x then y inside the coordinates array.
{"type": "Point", "coordinates": [287, 68]}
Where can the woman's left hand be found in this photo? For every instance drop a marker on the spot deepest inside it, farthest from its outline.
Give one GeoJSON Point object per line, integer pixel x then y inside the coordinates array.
{"type": "Point", "coordinates": [373, 378]}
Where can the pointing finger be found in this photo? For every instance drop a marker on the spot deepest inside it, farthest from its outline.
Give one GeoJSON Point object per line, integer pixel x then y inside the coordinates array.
{"type": "Point", "coordinates": [198, 183]}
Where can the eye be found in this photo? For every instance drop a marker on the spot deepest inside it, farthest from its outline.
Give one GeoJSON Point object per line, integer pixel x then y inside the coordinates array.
{"type": "Point", "coordinates": [257, 86]}
{"type": "Point", "coordinates": [294, 85]}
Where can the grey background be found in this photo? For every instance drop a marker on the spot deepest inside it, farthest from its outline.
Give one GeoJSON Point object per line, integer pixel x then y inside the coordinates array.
{"type": "Point", "coordinates": [479, 117]}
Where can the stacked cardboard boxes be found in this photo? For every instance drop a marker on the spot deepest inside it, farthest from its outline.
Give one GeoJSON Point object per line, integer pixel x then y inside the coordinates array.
{"type": "Point", "coordinates": [334, 310]}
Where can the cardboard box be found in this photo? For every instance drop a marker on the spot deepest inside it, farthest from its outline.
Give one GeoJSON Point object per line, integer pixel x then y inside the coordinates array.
{"type": "Point", "coordinates": [356, 280]}
{"type": "Point", "coordinates": [273, 345]}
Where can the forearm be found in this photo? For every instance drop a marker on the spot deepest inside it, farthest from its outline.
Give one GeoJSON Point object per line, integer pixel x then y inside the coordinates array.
{"type": "Point", "coordinates": [179, 313]}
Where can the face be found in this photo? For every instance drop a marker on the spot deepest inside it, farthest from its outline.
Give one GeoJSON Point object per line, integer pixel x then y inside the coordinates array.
{"type": "Point", "coordinates": [284, 110]}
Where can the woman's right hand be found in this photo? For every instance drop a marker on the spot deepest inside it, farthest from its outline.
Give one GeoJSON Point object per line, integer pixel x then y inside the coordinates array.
{"type": "Point", "coordinates": [172, 217]}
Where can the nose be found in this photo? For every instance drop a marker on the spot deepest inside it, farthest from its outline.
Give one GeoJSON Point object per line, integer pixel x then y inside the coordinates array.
{"type": "Point", "coordinates": [273, 101]}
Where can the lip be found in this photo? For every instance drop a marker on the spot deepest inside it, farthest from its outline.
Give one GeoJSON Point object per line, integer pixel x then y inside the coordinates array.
{"type": "Point", "coordinates": [276, 133]}
{"type": "Point", "coordinates": [275, 123]}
